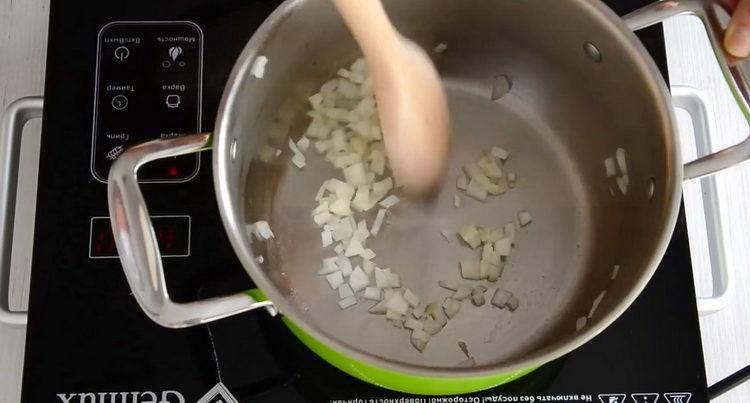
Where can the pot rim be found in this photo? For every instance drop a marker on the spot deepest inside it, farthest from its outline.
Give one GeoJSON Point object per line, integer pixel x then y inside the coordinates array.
{"type": "Point", "coordinates": [234, 222]}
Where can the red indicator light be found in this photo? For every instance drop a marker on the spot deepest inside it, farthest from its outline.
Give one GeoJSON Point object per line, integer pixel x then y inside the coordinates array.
{"type": "Point", "coordinates": [173, 171]}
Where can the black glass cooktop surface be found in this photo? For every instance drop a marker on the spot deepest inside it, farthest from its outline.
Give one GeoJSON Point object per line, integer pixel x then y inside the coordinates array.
{"type": "Point", "coordinates": [115, 69]}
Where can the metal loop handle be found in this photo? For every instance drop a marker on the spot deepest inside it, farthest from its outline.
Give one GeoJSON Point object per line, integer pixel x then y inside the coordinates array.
{"type": "Point", "coordinates": [700, 109]}
{"type": "Point", "coordinates": [735, 72]}
{"type": "Point", "coordinates": [138, 248]}
{"type": "Point", "coordinates": [16, 115]}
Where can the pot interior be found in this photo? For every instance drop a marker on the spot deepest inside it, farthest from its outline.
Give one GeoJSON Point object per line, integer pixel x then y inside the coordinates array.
{"type": "Point", "coordinates": [566, 111]}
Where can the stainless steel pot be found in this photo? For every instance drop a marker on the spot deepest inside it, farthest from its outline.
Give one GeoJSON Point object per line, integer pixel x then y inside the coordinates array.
{"type": "Point", "coordinates": [582, 86]}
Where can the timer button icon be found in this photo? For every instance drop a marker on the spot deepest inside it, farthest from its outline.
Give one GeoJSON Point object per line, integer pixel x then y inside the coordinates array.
{"type": "Point", "coordinates": [120, 102]}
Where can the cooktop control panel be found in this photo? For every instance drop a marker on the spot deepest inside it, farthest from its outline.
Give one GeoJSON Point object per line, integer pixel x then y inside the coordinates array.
{"type": "Point", "coordinates": [148, 86]}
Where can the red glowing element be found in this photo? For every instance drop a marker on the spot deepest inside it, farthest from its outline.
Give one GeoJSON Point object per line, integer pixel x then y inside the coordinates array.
{"type": "Point", "coordinates": [173, 171]}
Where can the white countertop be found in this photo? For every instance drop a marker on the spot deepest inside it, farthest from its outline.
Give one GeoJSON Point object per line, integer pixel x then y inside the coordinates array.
{"type": "Point", "coordinates": [23, 40]}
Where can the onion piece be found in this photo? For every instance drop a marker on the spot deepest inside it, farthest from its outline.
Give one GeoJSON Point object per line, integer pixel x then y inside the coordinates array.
{"type": "Point", "coordinates": [615, 270]}
{"type": "Point", "coordinates": [397, 304]}
{"type": "Point", "coordinates": [329, 266]}
{"type": "Point", "coordinates": [339, 249]}
{"type": "Point", "coordinates": [509, 230]}
{"type": "Point", "coordinates": [347, 302]}
{"type": "Point", "coordinates": [261, 229]}
{"type": "Point", "coordinates": [326, 238]}
{"type": "Point", "coordinates": [418, 311]}
{"type": "Point", "coordinates": [477, 296]}
{"type": "Point", "coordinates": [321, 146]}
{"type": "Point", "coordinates": [476, 190]}
{"type": "Point", "coordinates": [499, 152]}
{"type": "Point", "coordinates": [356, 175]}
{"type": "Point", "coordinates": [303, 144]}
{"type": "Point", "coordinates": [354, 248]}
{"type": "Point", "coordinates": [341, 207]}
{"type": "Point", "coordinates": [581, 323]}
{"type": "Point", "coordinates": [432, 326]}
{"type": "Point", "coordinates": [413, 324]}
{"type": "Point", "coordinates": [470, 269]}
{"type": "Point", "coordinates": [419, 339]}
{"type": "Point", "coordinates": [447, 286]}
{"type": "Point", "coordinates": [412, 299]}
{"type": "Point", "coordinates": [335, 280]}
{"type": "Point", "coordinates": [462, 181]}
{"type": "Point", "coordinates": [394, 280]}
{"type": "Point", "coordinates": [345, 291]}
{"type": "Point", "coordinates": [344, 264]}
{"type": "Point", "coordinates": [361, 201]}
{"type": "Point", "coordinates": [501, 298]}
{"type": "Point", "coordinates": [502, 247]}
{"type": "Point", "coordinates": [368, 254]}
{"type": "Point", "coordinates": [622, 183]}
{"type": "Point", "coordinates": [621, 162]}
{"type": "Point", "coordinates": [323, 218]}
{"type": "Point", "coordinates": [512, 303]}
{"type": "Point", "coordinates": [524, 218]}
{"type": "Point", "coordinates": [389, 201]}
{"type": "Point", "coordinates": [470, 235]}
{"type": "Point", "coordinates": [609, 167]}
{"type": "Point", "coordinates": [381, 278]}
{"type": "Point", "coordinates": [258, 69]}
{"type": "Point", "coordinates": [440, 48]}
{"type": "Point", "coordinates": [361, 233]}
{"type": "Point", "coordinates": [451, 307]}
{"type": "Point", "coordinates": [372, 293]}
{"type": "Point", "coordinates": [359, 280]}
{"type": "Point", "coordinates": [490, 168]}
{"type": "Point", "coordinates": [494, 271]}
{"type": "Point", "coordinates": [379, 308]}
{"type": "Point", "coordinates": [368, 266]}
{"type": "Point", "coordinates": [378, 223]}
{"type": "Point", "coordinates": [456, 201]}
{"type": "Point", "coordinates": [512, 179]}
{"type": "Point", "coordinates": [595, 304]}
{"type": "Point", "coordinates": [462, 293]}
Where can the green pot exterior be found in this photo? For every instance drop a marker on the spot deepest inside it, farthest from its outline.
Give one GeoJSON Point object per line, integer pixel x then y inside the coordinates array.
{"type": "Point", "coordinates": [401, 382]}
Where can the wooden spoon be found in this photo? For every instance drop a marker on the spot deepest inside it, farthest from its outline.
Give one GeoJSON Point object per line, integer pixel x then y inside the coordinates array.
{"type": "Point", "coordinates": [411, 100]}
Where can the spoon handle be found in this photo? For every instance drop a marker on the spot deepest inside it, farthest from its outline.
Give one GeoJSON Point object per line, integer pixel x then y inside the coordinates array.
{"type": "Point", "coordinates": [371, 27]}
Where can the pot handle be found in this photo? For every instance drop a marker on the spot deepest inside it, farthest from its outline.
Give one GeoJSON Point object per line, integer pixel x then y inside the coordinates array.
{"type": "Point", "coordinates": [700, 109]}
{"type": "Point", "coordinates": [736, 72]}
{"type": "Point", "coordinates": [18, 113]}
{"type": "Point", "coordinates": [138, 248]}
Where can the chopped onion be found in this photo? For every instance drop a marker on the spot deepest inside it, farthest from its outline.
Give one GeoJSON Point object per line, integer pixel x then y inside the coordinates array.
{"type": "Point", "coordinates": [447, 286]}
{"type": "Point", "coordinates": [432, 326]}
{"type": "Point", "coordinates": [477, 296]}
{"type": "Point", "coordinates": [379, 308]}
{"type": "Point", "coordinates": [512, 303]}
{"type": "Point", "coordinates": [335, 280]}
{"type": "Point", "coordinates": [323, 218]}
{"type": "Point", "coordinates": [326, 238]}
{"type": "Point", "coordinates": [258, 69]}
{"type": "Point", "coordinates": [381, 278]}
{"type": "Point", "coordinates": [413, 324]}
{"type": "Point", "coordinates": [456, 201]}
{"type": "Point", "coordinates": [361, 233]}
{"type": "Point", "coordinates": [494, 271]}
{"type": "Point", "coordinates": [477, 191]}
{"type": "Point", "coordinates": [609, 167]}
{"type": "Point", "coordinates": [418, 311]}
{"type": "Point", "coordinates": [359, 280]}
{"type": "Point", "coordinates": [621, 162]}
{"type": "Point", "coordinates": [462, 181]}
{"type": "Point", "coordinates": [321, 191]}
{"type": "Point", "coordinates": [341, 207]}
{"type": "Point", "coordinates": [412, 299]}
{"type": "Point", "coordinates": [378, 223]}
{"type": "Point", "coordinates": [368, 266]}
{"type": "Point", "coordinates": [512, 178]}
{"type": "Point", "coordinates": [397, 304]}
{"type": "Point", "coordinates": [462, 293]}
{"type": "Point", "coordinates": [372, 293]}
{"type": "Point", "coordinates": [490, 168]}
{"type": "Point", "coordinates": [344, 264]}
{"type": "Point", "coordinates": [487, 252]}
{"type": "Point", "coordinates": [355, 175]}
{"type": "Point", "coordinates": [389, 201]}
{"type": "Point", "coordinates": [581, 323]}
{"type": "Point", "coordinates": [470, 235]}
{"type": "Point", "coordinates": [440, 48]}
{"type": "Point", "coordinates": [500, 153]}
{"type": "Point", "coordinates": [261, 229]}
{"type": "Point", "coordinates": [322, 146]}
{"type": "Point", "coordinates": [299, 161]}
{"type": "Point", "coordinates": [622, 183]}
{"type": "Point", "coordinates": [339, 249]}
{"type": "Point", "coordinates": [470, 269]}
{"type": "Point", "coordinates": [524, 218]}
{"type": "Point", "coordinates": [329, 266]}
{"type": "Point", "coordinates": [501, 298]}
{"type": "Point", "coordinates": [451, 307]}
{"type": "Point", "coordinates": [484, 269]}
{"type": "Point", "coordinates": [615, 270]}
{"type": "Point", "coordinates": [347, 302]}
{"type": "Point", "coordinates": [345, 291]}
{"type": "Point", "coordinates": [361, 201]}
{"type": "Point", "coordinates": [419, 339]}
{"type": "Point", "coordinates": [354, 248]}
{"type": "Point", "coordinates": [303, 144]}
{"type": "Point", "coordinates": [595, 304]}
{"type": "Point", "coordinates": [502, 247]}
{"type": "Point", "coordinates": [368, 254]}
{"type": "Point", "coordinates": [394, 280]}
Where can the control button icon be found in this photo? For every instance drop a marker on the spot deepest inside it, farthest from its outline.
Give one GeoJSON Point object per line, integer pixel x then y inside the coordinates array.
{"type": "Point", "coordinates": [612, 398]}
{"type": "Point", "coordinates": [683, 397]}
{"type": "Point", "coordinates": [120, 102]}
{"type": "Point", "coordinates": [644, 397]}
{"type": "Point", "coordinates": [173, 54]}
{"type": "Point", "coordinates": [122, 53]}
{"type": "Point", "coordinates": [173, 101]}
{"type": "Point", "coordinates": [115, 152]}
